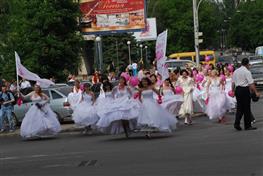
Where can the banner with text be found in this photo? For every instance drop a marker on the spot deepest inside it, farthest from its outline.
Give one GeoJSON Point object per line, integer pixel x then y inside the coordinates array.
{"type": "Point", "coordinates": [100, 16]}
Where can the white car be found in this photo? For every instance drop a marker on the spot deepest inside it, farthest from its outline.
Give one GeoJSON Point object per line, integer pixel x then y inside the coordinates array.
{"type": "Point", "coordinates": [173, 64]}
{"type": "Point", "coordinates": [57, 95]}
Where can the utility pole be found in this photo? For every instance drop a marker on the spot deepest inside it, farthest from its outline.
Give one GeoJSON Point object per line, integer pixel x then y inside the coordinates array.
{"type": "Point", "coordinates": [197, 34]}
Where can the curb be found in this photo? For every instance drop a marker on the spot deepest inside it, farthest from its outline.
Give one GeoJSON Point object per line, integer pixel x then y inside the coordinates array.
{"type": "Point", "coordinates": [17, 132]}
{"type": "Point", "coordinates": [71, 128]}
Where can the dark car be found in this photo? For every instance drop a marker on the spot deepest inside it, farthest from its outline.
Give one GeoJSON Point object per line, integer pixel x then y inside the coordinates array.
{"type": "Point", "coordinates": [226, 60]}
{"type": "Point", "coordinates": [257, 73]}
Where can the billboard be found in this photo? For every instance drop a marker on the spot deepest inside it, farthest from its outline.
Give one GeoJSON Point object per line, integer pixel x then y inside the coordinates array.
{"type": "Point", "coordinates": [149, 33]}
{"type": "Point", "coordinates": [104, 16]}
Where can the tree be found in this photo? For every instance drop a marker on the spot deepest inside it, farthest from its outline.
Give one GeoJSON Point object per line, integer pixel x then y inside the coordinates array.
{"type": "Point", "coordinates": [246, 26]}
{"type": "Point", "coordinates": [44, 33]}
{"type": "Point", "coordinates": [211, 20]}
{"type": "Point", "coordinates": [115, 49]}
{"type": "Point", "coordinates": [177, 17]}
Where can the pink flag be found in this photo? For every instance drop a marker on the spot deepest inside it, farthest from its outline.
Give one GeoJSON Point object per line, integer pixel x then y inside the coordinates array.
{"type": "Point", "coordinates": [160, 53]}
{"type": "Point", "coordinates": [26, 74]}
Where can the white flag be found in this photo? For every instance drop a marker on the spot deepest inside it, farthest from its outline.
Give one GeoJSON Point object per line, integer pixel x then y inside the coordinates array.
{"type": "Point", "coordinates": [160, 53]}
{"type": "Point", "coordinates": [26, 74]}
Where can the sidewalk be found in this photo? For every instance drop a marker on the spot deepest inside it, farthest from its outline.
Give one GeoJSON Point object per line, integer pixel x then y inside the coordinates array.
{"type": "Point", "coordinates": [67, 128]}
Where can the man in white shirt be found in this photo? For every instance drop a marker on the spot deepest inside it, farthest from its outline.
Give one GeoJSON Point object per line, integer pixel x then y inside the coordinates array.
{"type": "Point", "coordinates": [25, 84]}
{"type": "Point", "coordinates": [243, 85]}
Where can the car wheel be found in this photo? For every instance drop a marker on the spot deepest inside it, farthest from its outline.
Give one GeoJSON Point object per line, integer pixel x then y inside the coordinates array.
{"type": "Point", "coordinates": [59, 118]}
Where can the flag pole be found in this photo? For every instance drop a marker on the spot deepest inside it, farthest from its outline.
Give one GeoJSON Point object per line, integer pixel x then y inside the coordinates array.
{"type": "Point", "coordinates": [17, 78]}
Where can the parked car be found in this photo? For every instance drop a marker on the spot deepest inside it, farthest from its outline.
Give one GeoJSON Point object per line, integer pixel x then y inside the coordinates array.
{"type": "Point", "coordinates": [255, 60]}
{"type": "Point", "coordinates": [257, 74]}
{"type": "Point", "coordinates": [173, 64]}
{"type": "Point", "coordinates": [226, 60]}
{"type": "Point", "coordinates": [57, 94]}
{"type": "Point", "coordinates": [72, 83]}
{"type": "Point", "coordinates": [252, 60]}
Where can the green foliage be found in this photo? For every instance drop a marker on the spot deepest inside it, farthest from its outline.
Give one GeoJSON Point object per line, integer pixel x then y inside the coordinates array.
{"type": "Point", "coordinates": [44, 33]}
{"type": "Point", "coordinates": [246, 27]}
{"type": "Point", "coordinates": [177, 17]}
{"type": "Point", "coordinates": [115, 49]}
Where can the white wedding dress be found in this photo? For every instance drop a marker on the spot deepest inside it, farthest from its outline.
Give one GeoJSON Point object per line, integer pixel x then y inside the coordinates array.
{"type": "Point", "coordinates": [217, 102]}
{"type": "Point", "coordinates": [113, 109]}
{"type": "Point", "coordinates": [85, 113]}
{"type": "Point", "coordinates": [231, 100]}
{"type": "Point", "coordinates": [74, 98]}
{"type": "Point", "coordinates": [171, 102]}
{"type": "Point", "coordinates": [188, 87]}
{"type": "Point", "coordinates": [154, 116]}
{"type": "Point", "coordinates": [39, 122]}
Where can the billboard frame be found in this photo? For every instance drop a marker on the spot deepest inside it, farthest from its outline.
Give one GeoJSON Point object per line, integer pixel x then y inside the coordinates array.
{"type": "Point", "coordinates": [101, 33]}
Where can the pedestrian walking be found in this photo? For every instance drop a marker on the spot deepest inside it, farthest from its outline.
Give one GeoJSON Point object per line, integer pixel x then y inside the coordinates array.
{"type": "Point", "coordinates": [187, 84]}
{"type": "Point", "coordinates": [84, 114]}
{"type": "Point", "coordinates": [119, 113]}
{"type": "Point", "coordinates": [40, 121]}
{"type": "Point", "coordinates": [153, 117]}
{"type": "Point", "coordinates": [243, 85]}
{"type": "Point", "coordinates": [6, 100]}
{"type": "Point", "coordinates": [217, 101]}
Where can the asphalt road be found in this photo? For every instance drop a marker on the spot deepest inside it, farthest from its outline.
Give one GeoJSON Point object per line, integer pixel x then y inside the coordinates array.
{"type": "Point", "coordinates": [203, 149]}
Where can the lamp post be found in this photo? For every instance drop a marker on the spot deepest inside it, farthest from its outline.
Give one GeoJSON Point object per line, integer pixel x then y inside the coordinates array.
{"type": "Point", "coordinates": [117, 54]}
{"type": "Point", "coordinates": [141, 50]}
{"type": "Point", "coordinates": [98, 43]}
{"type": "Point", "coordinates": [146, 53]}
{"type": "Point", "coordinates": [141, 59]}
{"type": "Point", "coordinates": [196, 29]}
{"type": "Point", "coordinates": [129, 48]}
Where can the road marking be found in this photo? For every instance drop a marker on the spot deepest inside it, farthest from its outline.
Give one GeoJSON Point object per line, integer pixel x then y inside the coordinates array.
{"type": "Point", "coordinates": [39, 156]}
{"type": "Point", "coordinates": [57, 165]}
{"type": "Point", "coordinates": [9, 158]}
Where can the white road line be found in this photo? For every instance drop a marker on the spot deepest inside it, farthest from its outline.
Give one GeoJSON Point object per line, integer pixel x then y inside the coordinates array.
{"type": "Point", "coordinates": [57, 165]}
{"type": "Point", "coordinates": [9, 158]}
{"type": "Point", "coordinates": [39, 156]}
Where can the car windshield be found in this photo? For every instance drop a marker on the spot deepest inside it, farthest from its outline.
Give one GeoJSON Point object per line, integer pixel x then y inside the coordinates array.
{"type": "Point", "coordinates": [175, 64]}
{"type": "Point", "coordinates": [254, 58]}
{"type": "Point", "coordinates": [225, 59]}
{"type": "Point", "coordinates": [186, 58]}
{"type": "Point", "coordinates": [64, 90]}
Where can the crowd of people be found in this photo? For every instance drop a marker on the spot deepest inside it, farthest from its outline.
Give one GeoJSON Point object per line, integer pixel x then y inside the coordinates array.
{"type": "Point", "coordinates": [143, 102]}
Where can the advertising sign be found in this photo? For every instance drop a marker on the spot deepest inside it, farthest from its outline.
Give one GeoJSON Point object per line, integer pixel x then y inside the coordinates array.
{"type": "Point", "coordinates": [102, 16]}
{"type": "Point", "coordinates": [149, 33]}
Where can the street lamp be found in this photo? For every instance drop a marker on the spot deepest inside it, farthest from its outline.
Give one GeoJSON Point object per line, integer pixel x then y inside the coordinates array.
{"type": "Point", "coordinates": [141, 52]}
{"type": "Point", "coordinates": [129, 48]}
{"type": "Point", "coordinates": [196, 29]}
{"type": "Point", "coordinates": [98, 43]}
{"type": "Point", "coordinates": [146, 53]}
{"type": "Point", "coordinates": [117, 54]}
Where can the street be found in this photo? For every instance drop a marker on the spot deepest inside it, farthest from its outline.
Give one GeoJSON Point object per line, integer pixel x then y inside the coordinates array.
{"type": "Point", "coordinates": [205, 148]}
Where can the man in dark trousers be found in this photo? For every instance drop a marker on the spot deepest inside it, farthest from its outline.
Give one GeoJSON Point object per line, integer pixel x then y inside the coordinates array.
{"type": "Point", "coordinates": [243, 85]}
{"type": "Point", "coordinates": [6, 100]}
